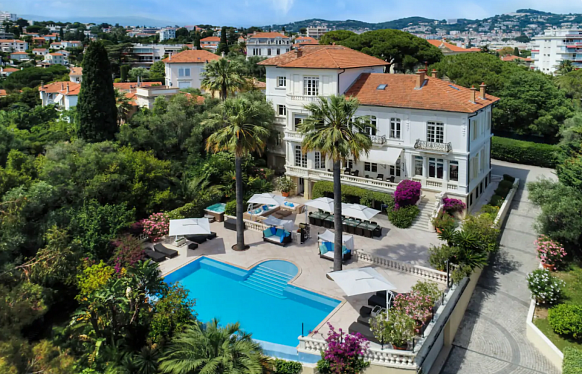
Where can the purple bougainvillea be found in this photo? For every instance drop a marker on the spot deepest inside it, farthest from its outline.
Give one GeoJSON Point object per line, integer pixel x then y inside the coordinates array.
{"type": "Point", "coordinates": [407, 193]}
{"type": "Point", "coordinates": [453, 205]}
{"type": "Point", "coordinates": [345, 352]}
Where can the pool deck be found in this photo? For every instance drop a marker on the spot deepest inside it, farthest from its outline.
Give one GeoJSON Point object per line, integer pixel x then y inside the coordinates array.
{"type": "Point", "coordinates": [403, 245]}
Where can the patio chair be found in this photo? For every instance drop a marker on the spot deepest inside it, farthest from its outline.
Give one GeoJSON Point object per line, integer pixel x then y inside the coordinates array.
{"type": "Point", "coordinates": [193, 246]}
{"type": "Point", "coordinates": [347, 171]}
{"type": "Point", "coordinates": [170, 253]}
{"type": "Point", "coordinates": [380, 177]}
{"type": "Point", "coordinates": [154, 256]}
{"type": "Point", "coordinates": [377, 231]}
{"type": "Point", "coordinates": [356, 173]}
{"type": "Point", "coordinates": [376, 300]}
{"type": "Point", "coordinates": [197, 238]}
{"type": "Point", "coordinates": [365, 311]}
{"type": "Point", "coordinates": [359, 231]}
{"type": "Point", "coordinates": [391, 179]}
{"type": "Point", "coordinates": [367, 233]}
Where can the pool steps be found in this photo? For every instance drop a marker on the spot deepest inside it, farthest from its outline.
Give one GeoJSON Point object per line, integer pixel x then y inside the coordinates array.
{"type": "Point", "coordinates": [268, 280]}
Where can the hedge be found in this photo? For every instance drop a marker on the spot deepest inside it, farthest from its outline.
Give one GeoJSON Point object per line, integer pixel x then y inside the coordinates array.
{"type": "Point", "coordinates": [403, 217]}
{"type": "Point", "coordinates": [287, 367]}
{"type": "Point", "coordinates": [566, 320]}
{"type": "Point", "coordinates": [353, 194]}
{"type": "Point", "coordinates": [522, 152]}
{"type": "Point", "coordinates": [572, 363]}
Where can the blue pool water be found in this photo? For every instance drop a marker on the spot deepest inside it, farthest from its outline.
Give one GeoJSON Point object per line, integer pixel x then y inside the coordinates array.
{"type": "Point", "coordinates": [260, 299]}
{"type": "Point", "coordinates": [217, 208]}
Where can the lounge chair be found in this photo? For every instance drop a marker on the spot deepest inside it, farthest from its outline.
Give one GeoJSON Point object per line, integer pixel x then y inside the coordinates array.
{"type": "Point", "coordinates": [196, 238]}
{"type": "Point", "coordinates": [380, 177]}
{"type": "Point", "coordinates": [326, 252]}
{"type": "Point", "coordinates": [170, 253]}
{"type": "Point", "coordinates": [154, 256]}
{"type": "Point", "coordinates": [377, 300]}
{"type": "Point", "coordinates": [277, 236]}
{"type": "Point", "coordinates": [364, 330]}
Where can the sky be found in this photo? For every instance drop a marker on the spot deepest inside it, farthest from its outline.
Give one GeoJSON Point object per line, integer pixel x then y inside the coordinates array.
{"type": "Point", "coordinates": [266, 12]}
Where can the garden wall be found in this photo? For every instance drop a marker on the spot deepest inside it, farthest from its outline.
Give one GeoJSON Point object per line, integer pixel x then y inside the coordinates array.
{"type": "Point", "coordinates": [541, 341]}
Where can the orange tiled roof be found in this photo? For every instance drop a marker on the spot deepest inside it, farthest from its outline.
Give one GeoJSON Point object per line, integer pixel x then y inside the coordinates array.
{"type": "Point", "coordinates": [128, 86]}
{"type": "Point", "coordinates": [191, 56]}
{"type": "Point", "coordinates": [453, 48]}
{"type": "Point", "coordinates": [268, 35]}
{"type": "Point", "coordinates": [3, 93]}
{"type": "Point", "coordinates": [18, 53]}
{"type": "Point", "coordinates": [55, 54]}
{"type": "Point", "coordinates": [513, 58]}
{"type": "Point", "coordinates": [61, 88]}
{"type": "Point", "coordinates": [400, 92]}
{"type": "Point", "coordinates": [199, 99]}
{"type": "Point", "coordinates": [10, 70]}
{"type": "Point", "coordinates": [10, 41]}
{"type": "Point", "coordinates": [76, 71]}
{"type": "Point", "coordinates": [131, 96]}
{"type": "Point", "coordinates": [324, 57]}
{"type": "Point", "coordinates": [210, 39]}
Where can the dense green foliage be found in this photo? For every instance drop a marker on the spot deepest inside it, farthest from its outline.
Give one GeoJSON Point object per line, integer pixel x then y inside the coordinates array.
{"type": "Point", "coordinates": [523, 152]}
{"type": "Point", "coordinates": [287, 367]}
{"type": "Point", "coordinates": [572, 363]}
{"type": "Point", "coordinates": [352, 194]}
{"type": "Point", "coordinates": [96, 109]}
{"type": "Point", "coordinates": [566, 319]}
{"type": "Point", "coordinates": [403, 217]}
{"type": "Point", "coordinates": [569, 169]}
{"type": "Point", "coordinates": [32, 77]}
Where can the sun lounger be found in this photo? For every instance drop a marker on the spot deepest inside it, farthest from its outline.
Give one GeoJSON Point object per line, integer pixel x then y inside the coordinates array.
{"type": "Point", "coordinates": [364, 330]}
{"type": "Point", "coordinates": [197, 238]}
{"type": "Point", "coordinates": [377, 300]}
{"type": "Point", "coordinates": [154, 256]}
{"type": "Point", "coordinates": [170, 253]}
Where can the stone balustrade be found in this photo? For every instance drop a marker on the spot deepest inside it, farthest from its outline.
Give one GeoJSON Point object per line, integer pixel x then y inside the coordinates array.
{"type": "Point", "coordinates": [319, 174]}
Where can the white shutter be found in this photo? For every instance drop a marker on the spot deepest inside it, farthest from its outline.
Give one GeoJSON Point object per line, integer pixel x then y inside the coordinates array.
{"type": "Point", "coordinates": [326, 89]}
{"type": "Point", "coordinates": [297, 85]}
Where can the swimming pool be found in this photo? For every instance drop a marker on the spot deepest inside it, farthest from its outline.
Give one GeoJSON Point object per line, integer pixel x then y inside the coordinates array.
{"type": "Point", "coordinates": [217, 208]}
{"type": "Point", "coordinates": [260, 299]}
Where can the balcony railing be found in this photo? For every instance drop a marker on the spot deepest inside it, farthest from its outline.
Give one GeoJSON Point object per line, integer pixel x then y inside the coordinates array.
{"type": "Point", "coordinates": [433, 146]}
{"type": "Point", "coordinates": [378, 139]}
{"type": "Point", "coordinates": [348, 179]}
{"type": "Point", "coordinates": [293, 135]}
{"type": "Point", "coordinates": [303, 98]}
{"type": "Point", "coordinates": [281, 120]}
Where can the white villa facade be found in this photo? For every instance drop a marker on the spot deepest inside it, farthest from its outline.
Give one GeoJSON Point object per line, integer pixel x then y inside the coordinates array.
{"type": "Point", "coordinates": [184, 70]}
{"type": "Point", "coordinates": [427, 129]}
{"type": "Point", "coordinates": [62, 94]}
{"type": "Point", "coordinates": [268, 44]}
{"type": "Point", "coordinates": [555, 46]}
{"type": "Point", "coordinates": [13, 45]}
{"type": "Point", "coordinates": [56, 58]}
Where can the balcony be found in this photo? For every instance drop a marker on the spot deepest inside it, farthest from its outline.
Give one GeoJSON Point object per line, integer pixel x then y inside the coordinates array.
{"type": "Point", "coordinates": [316, 174]}
{"type": "Point", "coordinates": [378, 139]}
{"type": "Point", "coordinates": [433, 146]}
{"type": "Point", "coordinates": [305, 98]}
{"type": "Point", "coordinates": [293, 136]}
{"type": "Point", "coordinates": [281, 120]}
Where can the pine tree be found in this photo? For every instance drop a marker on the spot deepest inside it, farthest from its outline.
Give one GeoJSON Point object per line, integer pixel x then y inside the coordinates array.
{"type": "Point", "coordinates": [96, 109]}
{"type": "Point", "coordinates": [223, 45]}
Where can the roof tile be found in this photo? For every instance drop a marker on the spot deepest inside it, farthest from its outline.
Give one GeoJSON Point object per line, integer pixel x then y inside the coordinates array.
{"type": "Point", "coordinates": [324, 57]}
{"type": "Point", "coordinates": [191, 56]}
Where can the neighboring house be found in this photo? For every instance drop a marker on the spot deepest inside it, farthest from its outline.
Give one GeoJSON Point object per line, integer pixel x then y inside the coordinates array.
{"type": "Point", "coordinates": [268, 44]}
{"type": "Point", "coordinates": [241, 40]}
{"type": "Point", "coordinates": [3, 93]}
{"type": "Point", "coordinates": [132, 86]}
{"type": "Point", "coordinates": [145, 96]}
{"type": "Point", "coordinates": [76, 74]}
{"type": "Point", "coordinates": [38, 41]}
{"type": "Point", "coordinates": [427, 129]}
{"type": "Point", "coordinates": [40, 51]}
{"type": "Point", "coordinates": [32, 34]}
{"type": "Point", "coordinates": [56, 58]}
{"type": "Point", "coordinates": [316, 32]}
{"type": "Point", "coordinates": [304, 40]}
{"type": "Point", "coordinates": [19, 56]}
{"type": "Point", "coordinates": [555, 46]}
{"type": "Point", "coordinates": [146, 54]}
{"type": "Point", "coordinates": [13, 45]}
{"type": "Point", "coordinates": [71, 44]}
{"type": "Point", "coordinates": [184, 70]}
{"type": "Point", "coordinates": [450, 49]}
{"type": "Point", "coordinates": [51, 36]}
{"type": "Point", "coordinates": [62, 94]}
{"type": "Point", "coordinates": [210, 43]}
{"type": "Point", "coordinates": [526, 61]}
{"type": "Point", "coordinates": [168, 33]}
{"type": "Point", "coordinates": [56, 45]}
{"type": "Point", "coordinates": [4, 72]}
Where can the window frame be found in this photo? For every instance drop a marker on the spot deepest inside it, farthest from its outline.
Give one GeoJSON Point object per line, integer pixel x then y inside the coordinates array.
{"type": "Point", "coordinates": [311, 85]}
{"type": "Point", "coordinates": [284, 110]}
{"type": "Point", "coordinates": [395, 128]}
{"type": "Point", "coordinates": [418, 160]}
{"type": "Point", "coordinates": [432, 136]}
{"type": "Point", "coordinates": [281, 79]}
{"type": "Point", "coordinates": [436, 162]}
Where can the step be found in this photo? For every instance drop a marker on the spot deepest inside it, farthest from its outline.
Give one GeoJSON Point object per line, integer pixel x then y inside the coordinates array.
{"type": "Point", "coordinates": [273, 271]}
{"type": "Point", "coordinates": [268, 286]}
{"type": "Point", "coordinates": [273, 274]}
{"type": "Point", "coordinates": [266, 280]}
{"type": "Point", "coordinates": [277, 294]}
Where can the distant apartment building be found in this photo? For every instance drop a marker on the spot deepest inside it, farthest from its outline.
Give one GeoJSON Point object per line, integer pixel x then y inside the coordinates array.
{"type": "Point", "coordinates": [268, 44]}
{"type": "Point", "coordinates": [7, 16]}
{"type": "Point", "coordinates": [146, 54]}
{"type": "Point", "coordinates": [555, 46]}
{"type": "Point", "coordinates": [210, 43]}
{"type": "Point", "coordinates": [316, 32]}
{"type": "Point", "coordinates": [168, 33]}
{"type": "Point", "coordinates": [13, 45]}
{"type": "Point", "coordinates": [184, 70]}
{"type": "Point", "coordinates": [40, 51]}
{"type": "Point", "coordinates": [56, 59]}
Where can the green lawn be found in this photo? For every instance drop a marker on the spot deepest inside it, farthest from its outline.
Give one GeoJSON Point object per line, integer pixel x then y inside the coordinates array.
{"type": "Point", "coordinates": [573, 295]}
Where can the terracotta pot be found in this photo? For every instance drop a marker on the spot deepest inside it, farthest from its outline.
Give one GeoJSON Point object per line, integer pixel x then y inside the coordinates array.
{"type": "Point", "coordinates": [400, 348]}
{"type": "Point", "coordinates": [438, 230]}
{"type": "Point", "coordinates": [284, 194]}
{"type": "Point", "coordinates": [549, 267]}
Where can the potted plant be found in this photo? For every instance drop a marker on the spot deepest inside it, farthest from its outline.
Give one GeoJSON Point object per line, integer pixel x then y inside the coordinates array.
{"type": "Point", "coordinates": [443, 221]}
{"type": "Point", "coordinates": [428, 292]}
{"type": "Point", "coordinates": [549, 252]}
{"type": "Point", "coordinates": [397, 328]}
{"type": "Point", "coordinates": [285, 185]}
{"type": "Point", "coordinates": [545, 288]}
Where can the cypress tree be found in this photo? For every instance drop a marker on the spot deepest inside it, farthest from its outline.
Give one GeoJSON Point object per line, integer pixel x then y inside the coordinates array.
{"type": "Point", "coordinates": [96, 109]}
{"type": "Point", "coordinates": [516, 51]}
{"type": "Point", "coordinates": [197, 40]}
{"type": "Point", "coordinates": [223, 45]}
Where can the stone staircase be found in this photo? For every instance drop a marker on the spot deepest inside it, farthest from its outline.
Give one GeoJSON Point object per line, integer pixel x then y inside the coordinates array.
{"type": "Point", "coordinates": [426, 207]}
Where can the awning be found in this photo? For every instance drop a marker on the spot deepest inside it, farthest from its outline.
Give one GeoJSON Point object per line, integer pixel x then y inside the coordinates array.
{"type": "Point", "coordinates": [285, 223]}
{"type": "Point", "coordinates": [189, 226]}
{"type": "Point", "coordinates": [328, 236]}
{"type": "Point", "coordinates": [58, 99]}
{"type": "Point", "coordinates": [267, 199]}
{"type": "Point", "coordinates": [358, 211]}
{"type": "Point", "coordinates": [360, 281]}
{"type": "Point", "coordinates": [323, 203]}
{"type": "Point", "coordinates": [387, 156]}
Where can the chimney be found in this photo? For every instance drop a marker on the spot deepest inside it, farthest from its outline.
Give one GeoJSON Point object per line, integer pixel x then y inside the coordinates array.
{"type": "Point", "coordinates": [420, 75]}
{"type": "Point", "coordinates": [434, 73]}
{"type": "Point", "coordinates": [62, 86]}
{"type": "Point", "coordinates": [482, 91]}
{"type": "Point", "coordinates": [473, 95]}
{"type": "Point", "coordinates": [67, 87]}
{"type": "Point", "coordinates": [299, 52]}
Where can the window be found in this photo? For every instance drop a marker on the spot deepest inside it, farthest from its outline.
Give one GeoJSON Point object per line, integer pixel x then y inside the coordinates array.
{"type": "Point", "coordinates": [350, 164]}
{"type": "Point", "coordinates": [370, 167]}
{"type": "Point", "coordinates": [453, 170]}
{"type": "Point", "coordinates": [297, 121]}
{"type": "Point", "coordinates": [418, 164]}
{"type": "Point", "coordinates": [282, 110]}
{"type": "Point", "coordinates": [281, 81]}
{"type": "Point", "coordinates": [181, 72]}
{"type": "Point", "coordinates": [488, 120]}
{"type": "Point", "coordinates": [278, 137]}
{"type": "Point", "coordinates": [187, 72]}
{"type": "Point", "coordinates": [474, 167]}
{"type": "Point", "coordinates": [310, 86]}
{"type": "Point", "coordinates": [395, 170]}
{"type": "Point", "coordinates": [371, 130]}
{"type": "Point", "coordinates": [300, 157]}
{"type": "Point", "coordinates": [435, 132]}
{"type": "Point", "coordinates": [435, 167]}
{"type": "Point", "coordinates": [319, 162]}
{"type": "Point", "coordinates": [482, 163]}
{"type": "Point", "coordinates": [474, 129]}
{"type": "Point", "coordinates": [268, 51]}
{"type": "Point", "coordinates": [278, 51]}
{"type": "Point", "coordinates": [395, 128]}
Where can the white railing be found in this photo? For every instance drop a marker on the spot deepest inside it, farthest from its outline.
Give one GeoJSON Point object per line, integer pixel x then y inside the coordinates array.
{"type": "Point", "coordinates": [431, 183]}
{"type": "Point", "coordinates": [350, 179]}
{"type": "Point", "coordinates": [419, 271]}
{"type": "Point", "coordinates": [293, 135]}
{"type": "Point", "coordinates": [378, 139]}
{"type": "Point", "coordinates": [433, 146]}
{"type": "Point", "coordinates": [281, 120]}
{"type": "Point", "coordinates": [303, 98]}
{"type": "Point", "coordinates": [382, 357]}
{"type": "Point", "coordinates": [453, 187]}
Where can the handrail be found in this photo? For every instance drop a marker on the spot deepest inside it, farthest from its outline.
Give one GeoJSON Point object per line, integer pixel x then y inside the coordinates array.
{"type": "Point", "coordinates": [433, 146]}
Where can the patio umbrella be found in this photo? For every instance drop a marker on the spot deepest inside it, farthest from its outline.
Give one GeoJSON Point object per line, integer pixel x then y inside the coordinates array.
{"type": "Point", "coordinates": [285, 223]}
{"type": "Point", "coordinates": [361, 280]}
{"type": "Point", "coordinates": [323, 203]}
{"type": "Point", "coordinates": [358, 211]}
{"type": "Point", "coordinates": [189, 226]}
{"type": "Point", "coordinates": [328, 236]}
{"type": "Point", "coordinates": [267, 199]}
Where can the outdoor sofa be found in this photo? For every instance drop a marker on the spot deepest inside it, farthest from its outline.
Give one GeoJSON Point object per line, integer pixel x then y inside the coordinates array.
{"type": "Point", "coordinates": [160, 248]}
{"type": "Point", "coordinates": [154, 256]}
{"type": "Point", "coordinates": [326, 251]}
{"type": "Point", "coordinates": [200, 238]}
{"type": "Point", "coordinates": [261, 211]}
{"type": "Point", "coordinates": [293, 207]}
{"type": "Point", "coordinates": [277, 236]}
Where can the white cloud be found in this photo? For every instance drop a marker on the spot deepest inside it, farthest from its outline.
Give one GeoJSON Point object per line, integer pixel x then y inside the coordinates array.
{"type": "Point", "coordinates": [283, 5]}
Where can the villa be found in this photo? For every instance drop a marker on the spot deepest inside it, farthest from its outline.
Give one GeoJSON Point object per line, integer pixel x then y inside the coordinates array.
{"type": "Point", "coordinates": [268, 44]}
{"type": "Point", "coordinates": [184, 70]}
{"type": "Point", "coordinates": [56, 58]}
{"type": "Point", "coordinates": [427, 129]}
{"type": "Point", "coordinates": [62, 94]}
{"type": "Point", "coordinates": [210, 43]}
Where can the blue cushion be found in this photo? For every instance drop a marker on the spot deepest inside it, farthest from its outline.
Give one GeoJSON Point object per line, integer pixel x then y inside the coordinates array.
{"type": "Point", "coordinates": [345, 250]}
{"type": "Point", "coordinates": [280, 232]}
{"type": "Point", "coordinates": [265, 207]}
{"type": "Point", "coordinates": [322, 248]}
{"type": "Point", "coordinates": [267, 233]}
{"type": "Point", "coordinates": [258, 211]}
{"type": "Point", "coordinates": [273, 230]}
{"type": "Point", "coordinates": [329, 246]}
{"type": "Point", "coordinates": [290, 205]}
{"type": "Point", "coordinates": [282, 238]}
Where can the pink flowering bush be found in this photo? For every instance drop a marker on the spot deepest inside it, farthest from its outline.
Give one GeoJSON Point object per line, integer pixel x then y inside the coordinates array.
{"type": "Point", "coordinates": [407, 193]}
{"type": "Point", "coordinates": [416, 305]}
{"type": "Point", "coordinates": [453, 205]}
{"type": "Point", "coordinates": [156, 225]}
{"type": "Point", "coordinates": [549, 252]}
{"type": "Point", "coordinates": [128, 252]}
{"type": "Point", "coordinates": [344, 353]}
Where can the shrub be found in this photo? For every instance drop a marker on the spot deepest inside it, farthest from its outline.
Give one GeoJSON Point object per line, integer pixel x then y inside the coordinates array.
{"type": "Point", "coordinates": [549, 252]}
{"type": "Point", "coordinates": [438, 256]}
{"type": "Point", "coordinates": [287, 367]}
{"type": "Point", "coordinates": [481, 226]}
{"type": "Point", "coordinates": [523, 152]}
{"type": "Point", "coordinates": [489, 211]}
{"type": "Point", "coordinates": [407, 193]}
{"type": "Point", "coordinates": [506, 184]}
{"type": "Point", "coordinates": [127, 253]}
{"type": "Point", "coordinates": [360, 195]}
{"type": "Point", "coordinates": [508, 177]}
{"type": "Point", "coordinates": [285, 184]}
{"type": "Point", "coordinates": [344, 353]}
{"type": "Point", "coordinates": [496, 200]}
{"type": "Point", "coordinates": [230, 208]}
{"type": "Point", "coordinates": [566, 319]}
{"type": "Point", "coordinates": [403, 217]}
{"type": "Point", "coordinates": [156, 225]}
{"type": "Point", "coordinates": [453, 205]}
{"type": "Point", "coordinates": [396, 328]}
{"type": "Point", "coordinates": [429, 290]}
{"type": "Point", "coordinates": [572, 363]}
{"type": "Point", "coordinates": [545, 288]}
{"type": "Point", "coordinates": [502, 192]}
{"type": "Point", "coordinates": [444, 221]}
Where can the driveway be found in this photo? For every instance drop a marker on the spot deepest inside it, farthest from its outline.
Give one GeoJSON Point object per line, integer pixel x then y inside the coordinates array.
{"type": "Point", "coordinates": [491, 338]}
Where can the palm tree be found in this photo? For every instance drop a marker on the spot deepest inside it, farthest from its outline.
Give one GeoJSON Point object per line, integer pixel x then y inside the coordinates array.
{"type": "Point", "coordinates": [565, 67]}
{"type": "Point", "coordinates": [210, 349]}
{"type": "Point", "coordinates": [243, 126]}
{"type": "Point", "coordinates": [123, 104]}
{"type": "Point", "coordinates": [224, 76]}
{"type": "Point", "coordinates": [333, 129]}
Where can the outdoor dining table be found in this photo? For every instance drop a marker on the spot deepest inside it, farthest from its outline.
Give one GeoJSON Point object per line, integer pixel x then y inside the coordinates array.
{"type": "Point", "coordinates": [316, 218]}
{"type": "Point", "coordinates": [328, 222]}
{"type": "Point", "coordinates": [367, 229]}
{"type": "Point", "coordinates": [349, 225]}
